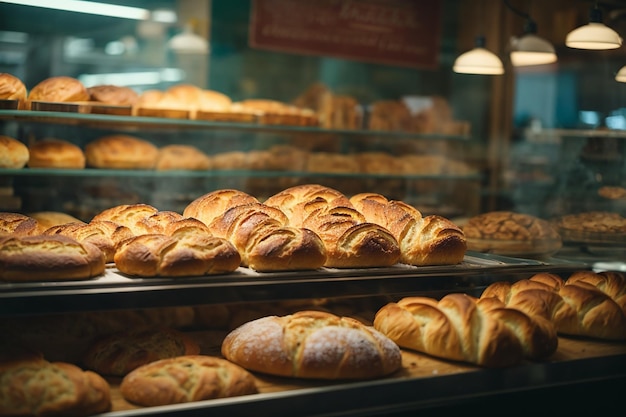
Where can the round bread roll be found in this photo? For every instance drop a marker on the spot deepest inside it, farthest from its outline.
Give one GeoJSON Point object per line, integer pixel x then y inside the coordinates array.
{"type": "Point", "coordinates": [55, 153]}
{"type": "Point", "coordinates": [210, 100]}
{"type": "Point", "coordinates": [182, 157]}
{"type": "Point", "coordinates": [11, 87]}
{"type": "Point", "coordinates": [18, 224]}
{"type": "Point", "coordinates": [113, 95]}
{"type": "Point", "coordinates": [13, 153]}
{"type": "Point", "coordinates": [120, 353]}
{"type": "Point", "coordinates": [59, 89]}
{"type": "Point", "coordinates": [121, 152]}
{"type": "Point", "coordinates": [48, 258]}
{"type": "Point", "coordinates": [312, 344]}
{"type": "Point", "coordinates": [32, 386]}
{"type": "Point", "coordinates": [129, 215]}
{"type": "Point", "coordinates": [186, 379]}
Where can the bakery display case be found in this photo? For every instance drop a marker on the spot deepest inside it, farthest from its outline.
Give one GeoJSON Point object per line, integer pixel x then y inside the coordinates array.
{"type": "Point", "coordinates": [422, 139]}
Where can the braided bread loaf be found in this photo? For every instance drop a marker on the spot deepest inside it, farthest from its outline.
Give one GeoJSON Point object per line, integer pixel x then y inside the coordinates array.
{"type": "Point", "coordinates": [259, 232]}
{"type": "Point", "coordinates": [350, 240]}
{"type": "Point", "coordinates": [459, 327]}
{"type": "Point", "coordinates": [430, 240]}
{"type": "Point", "coordinates": [312, 344]}
{"type": "Point", "coordinates": [576, 308]}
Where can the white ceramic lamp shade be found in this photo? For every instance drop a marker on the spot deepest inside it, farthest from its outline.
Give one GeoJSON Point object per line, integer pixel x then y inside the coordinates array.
{"type": "Point", "coordinates": [530, 49]}
{"type": "Point", "coordinates": [478, 61]}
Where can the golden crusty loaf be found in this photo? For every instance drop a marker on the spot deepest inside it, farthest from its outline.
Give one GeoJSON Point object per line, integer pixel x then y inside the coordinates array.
{"type": "Point", "coordinates": [350, 240]}
{"type": "Point", "coordinates": [182, 157]}
{"type": "Point", "coordinates": [575, 309]}
{"type": "Point", "coordinates": [612, 283]}
{"type": "Point", "coordinates": [105, 235]}
{"type": "Point", "coordinates": [121, 152]}
{"type": "Point", "coordinates": [13, 153]}
{"type": "Point", "coordinates": [59, 89]}
{"type": "Point", "coordinates": [47, 219]}
{"type": "Point", "coordinates": [48, 258]}
{"type": "Point", "coordinates": [55, 153]}
{"type": "Point", "coordinates": [113, 95]}
{"type": "Point", "coordinates": [430, 240]}
{"type": "Point", "coordinates": [11, 87]}
{"type": "Point", "coordinates": [510, 233]}
{"type": "Point", "coordinates": [120, 353]}
{"type": "Point", "coordinates": [185, 379]}
{"type": "Point", "coordinates": [198, 253]}
{"type": "Point", "coordinates": [129, 215]}
{"type": "Point", "coordinates": [17, 224]}
{"type": "Point", "coordinates": [259, 232]}
{"type": "Point", "coordinates": [454, 328]}
{"type": "Point", "coordinates": [32, 386]}
{"type": "Point", "coordinates": [312, 344]}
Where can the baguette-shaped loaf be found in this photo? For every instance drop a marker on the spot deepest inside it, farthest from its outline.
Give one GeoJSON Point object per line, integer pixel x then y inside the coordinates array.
{"type": "Point", "coordinates": [32, 386]}
{"type": "Point", "coordinates": [430, 240]}
{"type": "Point", "coordinates": [184, 379]}
{"type": "Point", "coordinates": [350, 240]}
{"type": "Point", "coordinates": [312, 344]}
{"type": "Point", "coordinates": [575, 309]}
{"type": "Point", "coordinates": [458, 328]}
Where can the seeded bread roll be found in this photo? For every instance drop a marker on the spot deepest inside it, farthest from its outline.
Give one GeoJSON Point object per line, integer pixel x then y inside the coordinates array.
{"type": "Point", "coordinates": [120, 353]}
{"type": "Point", "coordinates": [48, 258]}
{"type": "Point", "coordinates": [312, 344]}
{"type": "Point", "coordinates": [186, 379]}
{"type": "Point", "coordinates": [55, 153]}
{"type": "Point", "coordinates": [13, 153]}
{"type": "Point", "coordinates": [121, 152]}
{"type": "Point", "coordinates": [32, 386]}
{"type": "Point", "coordinates": [59, 89]}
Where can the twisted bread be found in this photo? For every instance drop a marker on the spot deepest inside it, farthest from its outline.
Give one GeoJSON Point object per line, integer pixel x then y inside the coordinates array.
{"type": "Point", "coordinates": [575, 309]}
{"type": "Point", "coordinates": [459, 328]}
{"type": "Point", "coordinates": [32, 386]}
{"type": "Point", "coordinates": [312, 344]}
{"type": "Point", "coordinates": [612, 283]}
{"type": "Point", "coordinates": [349, 239]}
{"type": "Point", "coordinates": [129, 215]}
{"type": "Point", "coordinates": [186, 379]}
{"type": "Point", "coordinates": [259, 232]}
{"type": "Point", "coordinates": [430, 240]}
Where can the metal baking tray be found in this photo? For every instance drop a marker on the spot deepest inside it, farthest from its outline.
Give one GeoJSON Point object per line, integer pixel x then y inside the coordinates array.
{"type": "Point", "coordinates": [115, 290]}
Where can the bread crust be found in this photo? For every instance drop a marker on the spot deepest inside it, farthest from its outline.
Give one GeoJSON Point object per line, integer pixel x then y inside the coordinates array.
{"type": "Point", "coordinates": [121, 152]}
{"type": "Point", "coordinates": [186, 379]}
{"type": "Point", "coordinates": [48, 258]}
{"type": "Point", "coordinates": [312, 344]}
{"type": "Point", "coordinates": [17, 224]}
{"type": "Point", "coordinates": [13, 153]}
{"type": "Point", "coordinates": [59, 89]}
{"type": "Point", "coordinates": [182, 157]}
{"type": "Point", "coordinates": [11, 87]}
{"type": "Point", "coordinates": [55, 153]}
{"type": "Point", "coordinates": [120, 353]}
{"type": "Point", "coordinates": [113, 95]}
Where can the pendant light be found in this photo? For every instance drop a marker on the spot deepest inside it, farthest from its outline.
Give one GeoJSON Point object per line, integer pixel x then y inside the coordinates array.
{"type": "Point", "coordinates": [621, 75]}
{"type": "Point", "coordinates": [594, 35]}
{"type": "Point", "coordinates": [530, 49]}
{"type": "Point", "coordinates": [478, 61]}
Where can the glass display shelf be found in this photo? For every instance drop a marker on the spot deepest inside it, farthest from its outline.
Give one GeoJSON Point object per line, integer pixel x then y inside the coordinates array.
{"type": "Point", "coordinates": [126, 173]}
{"type": "Point", "coordinates": [142, 123]}
{"type": "Point", "coordinates": [114, 290]}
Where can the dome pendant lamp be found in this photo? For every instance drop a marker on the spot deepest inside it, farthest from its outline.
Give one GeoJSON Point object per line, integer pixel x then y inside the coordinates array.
{"type": "Point", "coordinates": [594, 35]}
{"type": "Point", "coordinates": [478, 61]}
{"type": "Point", "coordinates": [621, 75]}
{"type": "Point", "coordinates": [530, 49]}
